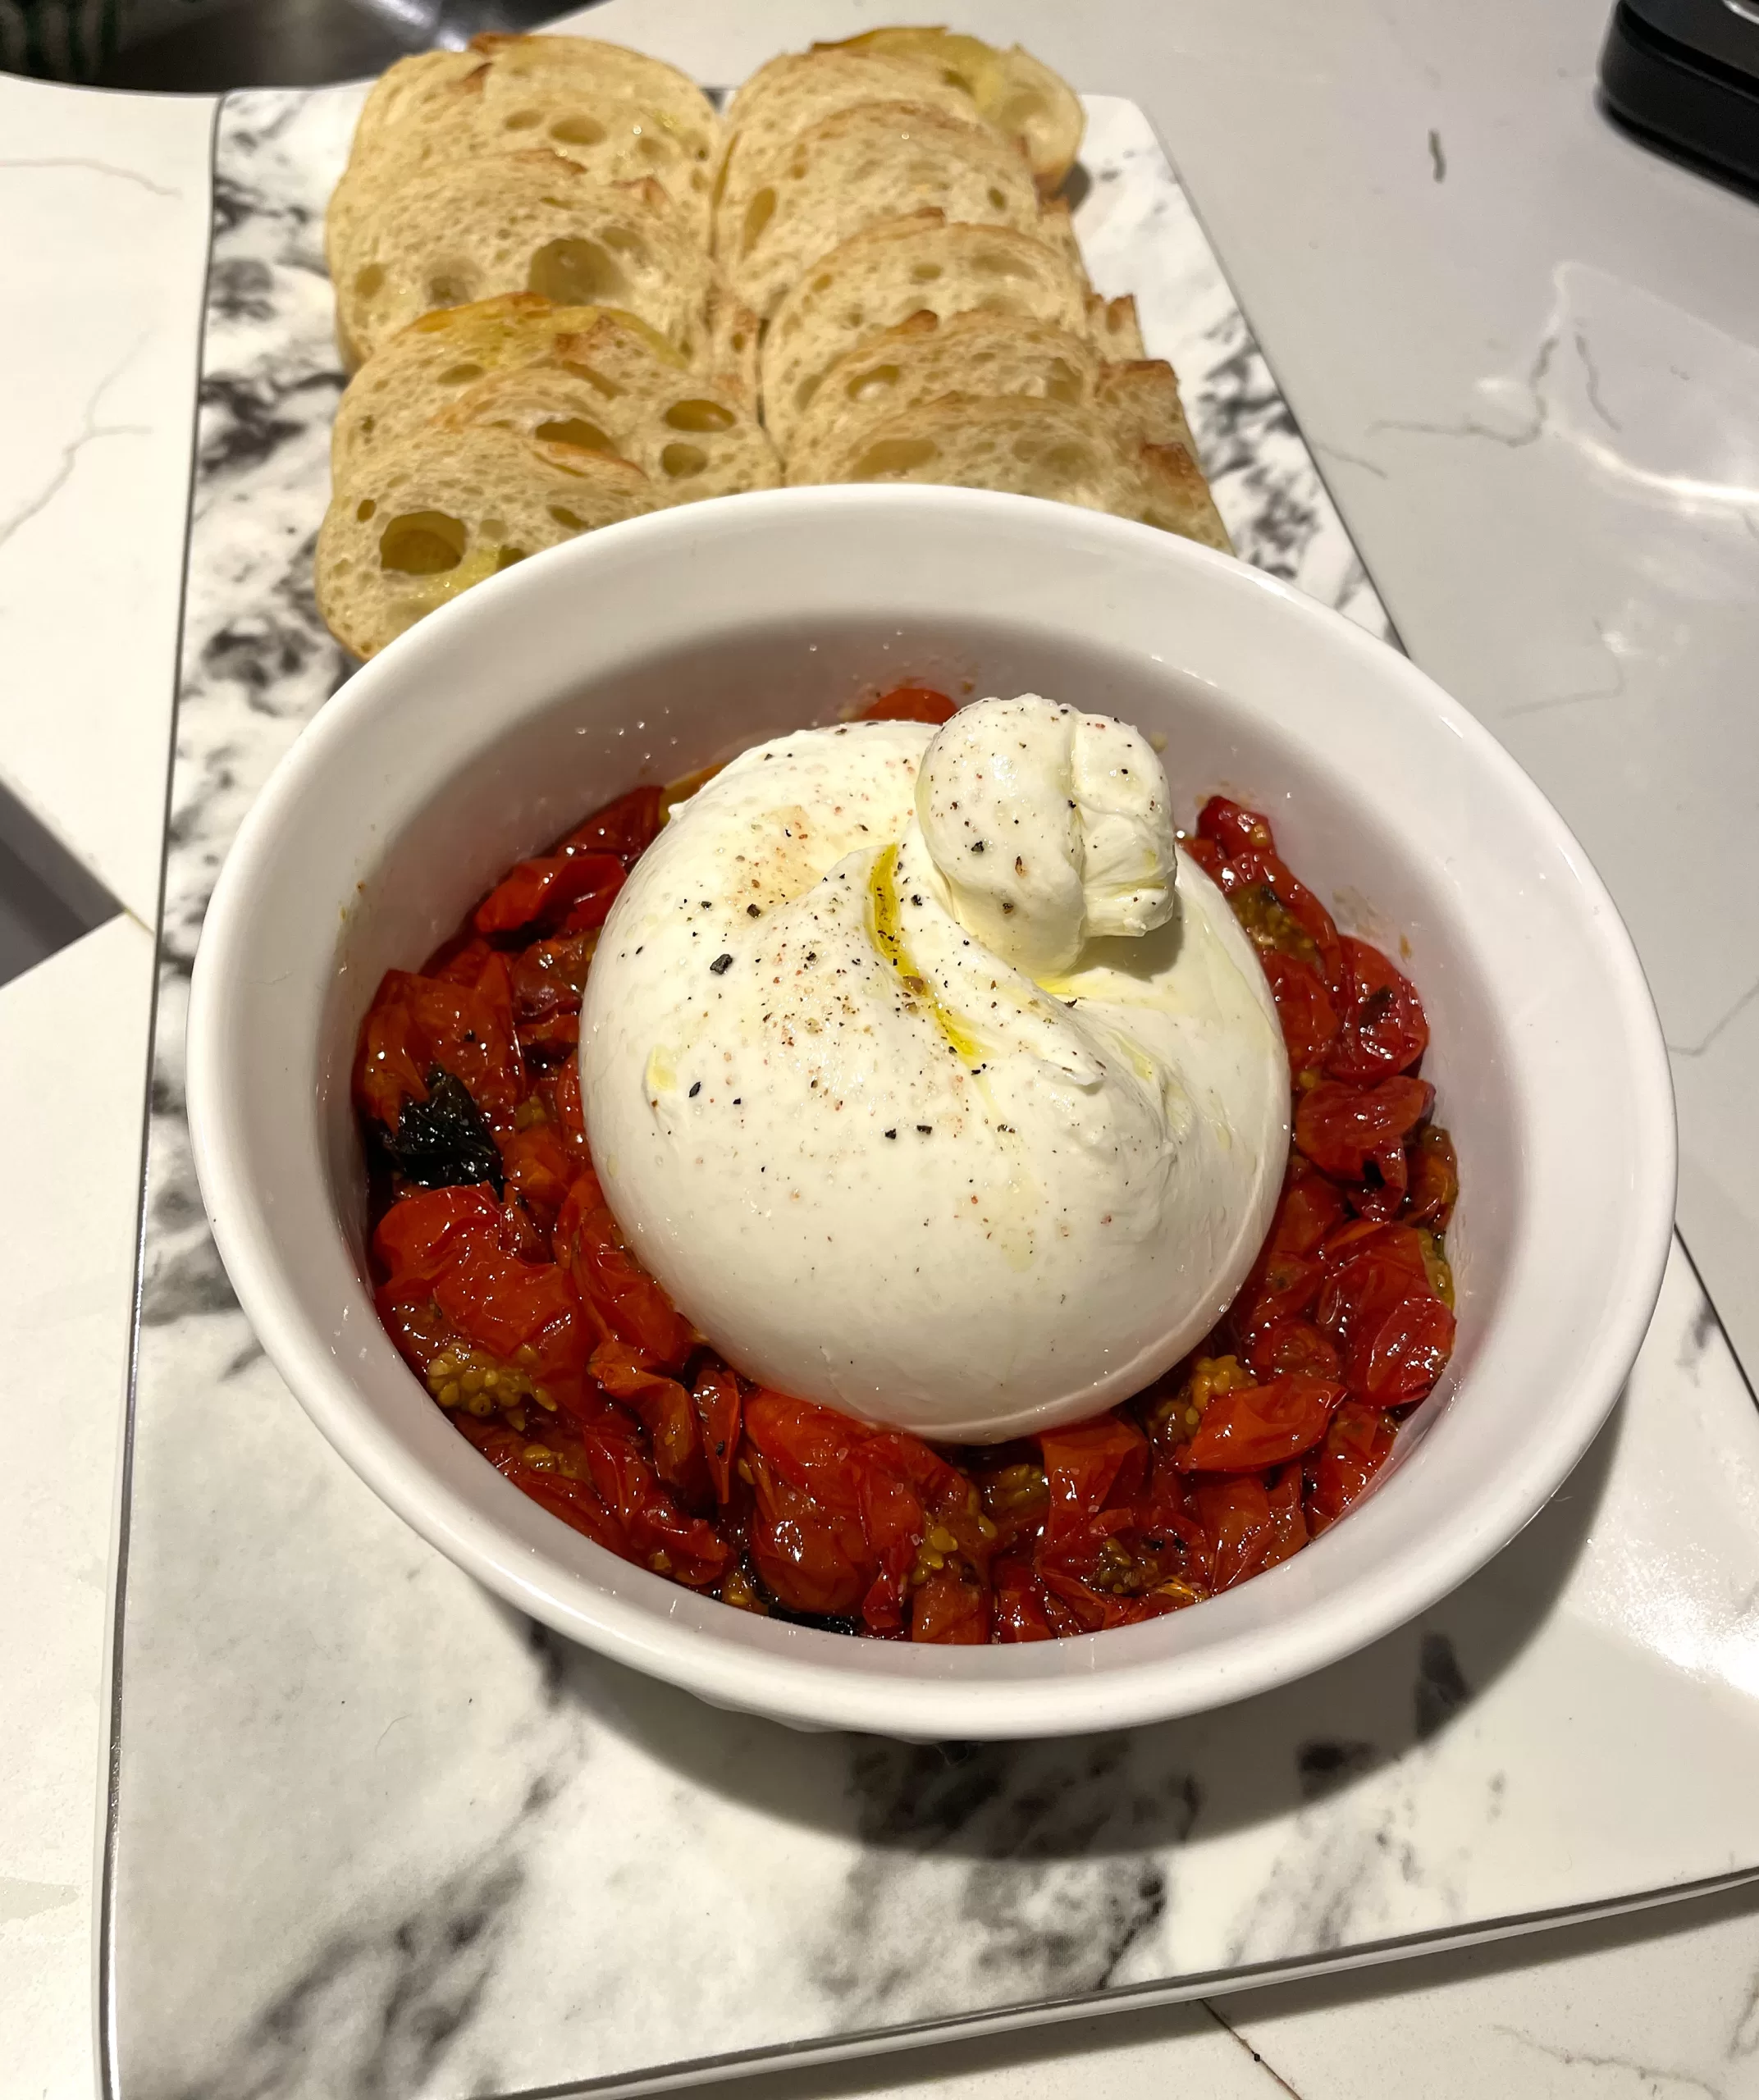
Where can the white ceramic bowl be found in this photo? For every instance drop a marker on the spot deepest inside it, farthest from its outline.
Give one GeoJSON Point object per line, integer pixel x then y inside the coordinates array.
{"type": "Point", "coordinates": [645, 650]}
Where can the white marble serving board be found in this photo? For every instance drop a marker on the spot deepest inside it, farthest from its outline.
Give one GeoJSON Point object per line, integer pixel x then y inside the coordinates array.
{"type": "Point", "coordinates": [373, 1834]}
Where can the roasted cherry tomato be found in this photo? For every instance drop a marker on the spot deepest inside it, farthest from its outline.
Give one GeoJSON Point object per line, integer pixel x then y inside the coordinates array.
{"type": "Point", "coordinates": [628, 1305]}
{"type": "Point", "coordinates": [1434, 1178]}
{"type": "Point", "coordinates": [1382, 1031]}
{"type": "Point", "coordinates": [716, 1395]}
{"type": "Point", "coordinates": [1297, 1346]}
{"type": "Point", "coordinates": [1233, 828]}
{"type": "Point", "coordinates": [669, 1415]}
{"type": "Point", "coordinates": [1358, 1443]}
{"type": "Point", "coordinates": [1281, 914]}
{"type": "Point", "coordinates": [627, 827]}
{"type": "Point", "coordinates": [910, 704]}
{"type": "Point", "coordinates": [1259, 1426]}
{"type": "Point", "coordinates": [574, 890]}
{"type": "Point", "coordinates": [1346, 1130]}
{"type": "Point", "coordinates": [1304, 1008]}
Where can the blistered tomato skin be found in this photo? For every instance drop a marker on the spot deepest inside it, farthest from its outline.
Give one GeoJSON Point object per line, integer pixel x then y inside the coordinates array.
{"type": "Point", "coordinates": [502, 1276]}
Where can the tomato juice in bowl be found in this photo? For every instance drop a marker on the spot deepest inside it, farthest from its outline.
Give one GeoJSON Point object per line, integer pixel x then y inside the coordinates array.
{"type": "Point", "coordinates": [655, 649]}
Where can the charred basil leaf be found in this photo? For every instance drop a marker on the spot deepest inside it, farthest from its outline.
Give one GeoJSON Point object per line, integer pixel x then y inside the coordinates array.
{"type": "Point", "coordinates": [444, 1141]}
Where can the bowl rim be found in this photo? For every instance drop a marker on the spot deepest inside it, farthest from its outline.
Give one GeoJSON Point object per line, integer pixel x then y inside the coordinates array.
{"type": "Point", "coordinates": [794, 1685]}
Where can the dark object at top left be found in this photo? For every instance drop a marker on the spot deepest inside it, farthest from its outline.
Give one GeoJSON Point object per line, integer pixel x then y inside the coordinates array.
{"type": "Point", "coordinates": [207, 47]}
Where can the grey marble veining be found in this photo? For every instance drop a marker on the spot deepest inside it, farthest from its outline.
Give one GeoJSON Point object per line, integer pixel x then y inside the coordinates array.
{"type": "Point", "coordinates": [376, 1835]}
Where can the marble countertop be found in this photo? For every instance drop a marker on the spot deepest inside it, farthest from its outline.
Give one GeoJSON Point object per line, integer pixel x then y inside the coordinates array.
{"type": "Point", "coordinates": [1526, 353]}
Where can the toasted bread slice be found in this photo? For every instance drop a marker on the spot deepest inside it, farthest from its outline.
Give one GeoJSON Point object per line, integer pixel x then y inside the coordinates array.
{"type": "Point", "coordinates": [1140, 401]}
{"type": "Point", "coordinates": [915, 265]}
{"type": "Point", "coordinates": [404, 90]}
{"type": "Point", "coordinates": [1140, 398]}
{"type": "Point", "coordinates": [800, 88]}
{"type": "Point", "coordinates": [427, 518]}
{"type": "Point", "coordinates": [518, 59]}
{"type": "Point", "coordinates": [501, 69]}
{"type": "Point", "coordinates": [1112, 324]}
{"type": "Point", "coordinates": [924, 358]}
{"type": "Point", "coordinates": [1030, 447]}
{"type": "Point", "coordinates": [1062, 450]}
{"type": "Point", "coordinates": [1176, 498]}
{"type": "Point", "coordinates": [622, 116]}
{"type": "Point", "coordinates": [878, 161]}
{"type": "Point", "coordinates": [599, 393]}
{"type": "Point", "coordinates": [424, 368]}
{"type": "Point", "coordinates": [515, 222]}
{"type": "Point", "coordinates": [613, 139]}
{"type": "Point", "coordinates": [1011, 90]}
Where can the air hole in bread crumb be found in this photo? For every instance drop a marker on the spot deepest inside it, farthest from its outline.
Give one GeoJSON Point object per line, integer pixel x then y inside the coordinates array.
{"type": "Point", "coordinates": [578, 131]}
{"type": "Point", "coordinates": [866, 386]}
{"type": "Point", "coordinates": [758, 214]}
{"type": "Point", "coordinates": [367, 281]}
{"type": "Point", "coordinates": [1069, 461]}
{"type": "Point", "coordinates": [459, 375]}
{"type": "Point", "coordinates": [366, 510]}
{"type": "Point", "coordinates": [804, 392]}
{"type": "Point", "coordinates": [682, 462]}
{"type": "Point", "coordinates": [575, 431]}
{"type": "Point", "coordinates": [368, 424]}
{"type": "Point", "coordinates": [446, 290]}
{"type": "Point", "coordinates": [998, 198]}
{"type": "Point", "coordinates": [994, 262]}
{"type": "Point", "coordinates": [699, 415]}
{"type": "Point", "coordinates": [423, 543]}
{"type": "Point", "coordinates": [492, 528]}
{"type": "Point", "coordinates": [574, 272]}
{"type": "Point", "coordinates": [563, 516]}
{"type": "Point", "coordinates": [894, 455]}
{"type": "Point", "coordinates": [1062, 385]}
{"type": "Point", "coordinates": [925, 273]}
{"type": "Point", "coordinates": [523, 119]}
{"type": "Point", "coordinates": [821, 284]}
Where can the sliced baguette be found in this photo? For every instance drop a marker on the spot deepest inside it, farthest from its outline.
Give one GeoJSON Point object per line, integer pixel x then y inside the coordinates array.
{"type": "Point", "coordinates": [516, 222]}
{"type": "Point", "coordinates": [621, 116]}
{"type": "Point", "coordinates": [424, 368]}
{"type": "Point", "coordinates": [1112, 324]}
{"type": "Point", "coordinates": [924, 358]}
{"type": "Point", "coordinates": [598, 394]}
{"type": "Point", "coordinates": [429, 518]}
{"type": "Point", "coordinates": [1176, 498]}
{"type": "Point", "coordinates": [915, 265]}
{"type": "Point", "coordinates": [613, 139]}
{"type": "Point", "coordinates": [1029, 447]}
{"type": "Point", "coordinates": [876, 162]}
{"type": "Point", "coordinates": [515, 60]}
{"type": "Point", "coordinates": [1011, 90]}
{"type": "Point", "coordinates": [1062, 450]}
{"type": "Point", "coordinates": [1140, 401]}
{"type": "Point", "coordinates": [800, 88]}
{"type": "Point", "coordinates": [402, 89]}
{"type": "Point", "coordinates": [503, 69]}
